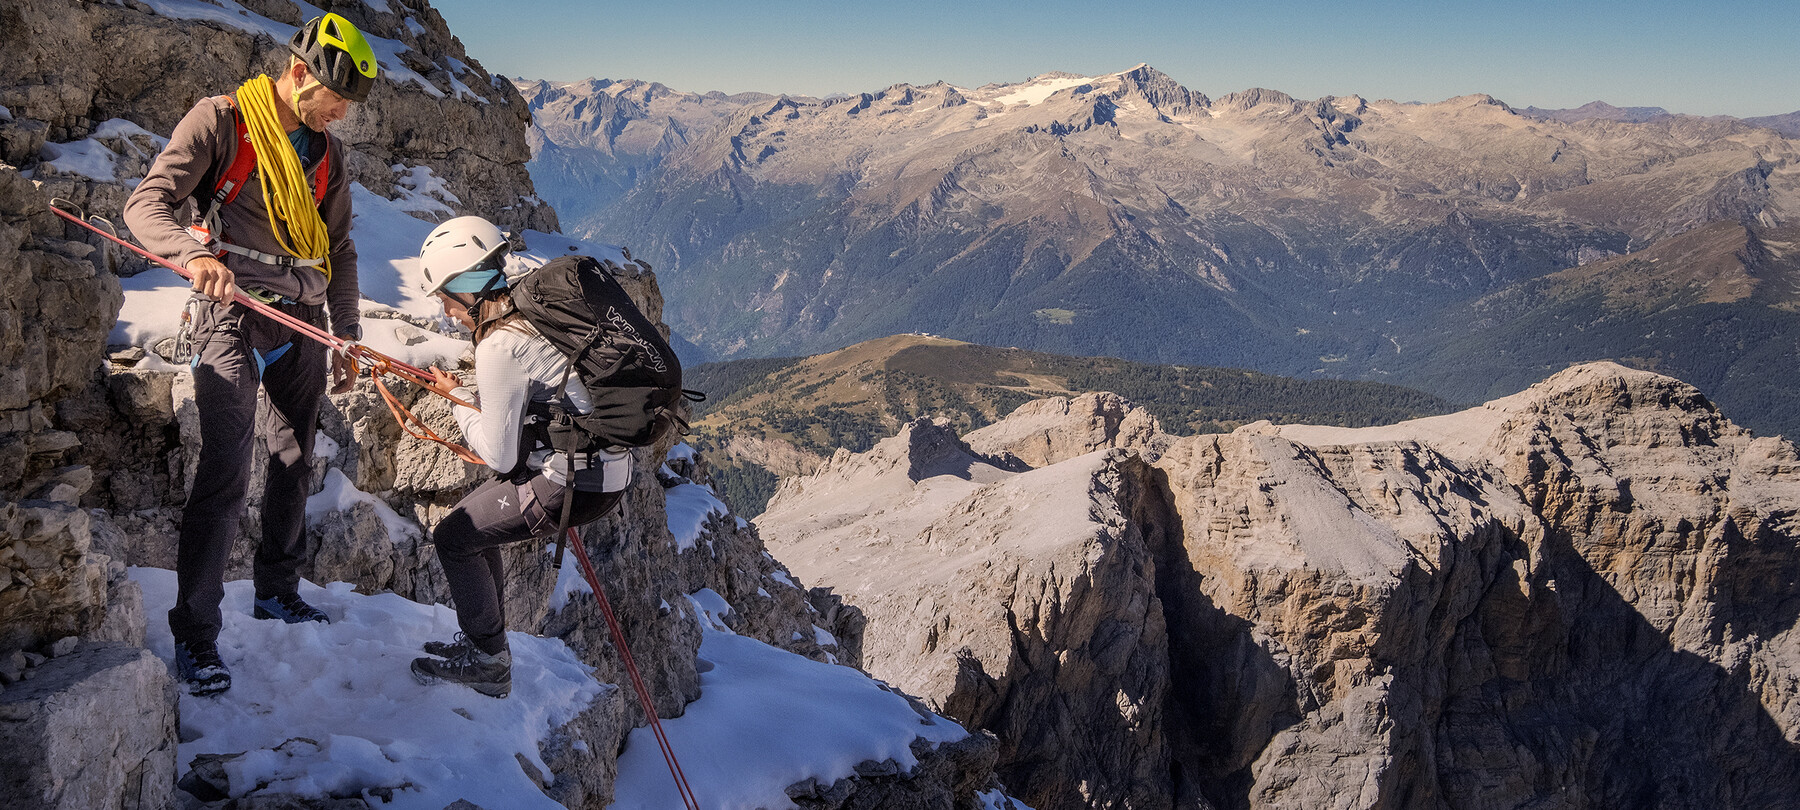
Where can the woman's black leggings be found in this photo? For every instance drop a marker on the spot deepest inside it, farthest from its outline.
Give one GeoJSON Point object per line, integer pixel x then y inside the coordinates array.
{"type": "Point", "coordinates": [469, 539]}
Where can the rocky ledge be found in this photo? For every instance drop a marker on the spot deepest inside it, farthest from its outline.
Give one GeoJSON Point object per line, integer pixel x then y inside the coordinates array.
{"type": "Point", "coordinates": [1580, 595]}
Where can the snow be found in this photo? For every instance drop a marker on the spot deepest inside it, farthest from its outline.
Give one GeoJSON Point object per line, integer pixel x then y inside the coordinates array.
{"type": "Point", "coordinates": [690, 505]}
{"type": "Point", "coordinates": [682, 451]}
{"type": "Point", "coordinates": [347, 686]}
{"type": "Point", "coordinates": [998, 800]}
{"type": "Point", "coordinates": [421, 192]}
{"type": "Point", "coordinates": [569, 579]}
{"type": "Point", "coordinates": [823, 638]}
{"type": "Point", "coordinates": [154, 362]}
{"type": "Point", "coordinates": [767, 719]}
{"type": "Point", "coordinates": [339, 495]}
{"type": "Point", "coordinates": [413, 25]}
{"type": "Point", "coordinates": [93, 159]}
{"type": "Point", "coordinates": [782, 577]}
{"type": "Point", "coordinates": [1036, 91]}
{"type": "Point", "coordinates": [5, 114]}
{"type": "Point", "coordinates": [152, 308]}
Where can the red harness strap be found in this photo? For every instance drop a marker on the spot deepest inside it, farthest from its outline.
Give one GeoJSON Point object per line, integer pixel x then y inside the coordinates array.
{"type": "Point", "coordinates": [232, 181]}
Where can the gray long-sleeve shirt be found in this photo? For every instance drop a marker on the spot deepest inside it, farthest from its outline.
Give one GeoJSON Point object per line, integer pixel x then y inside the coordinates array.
{"type": "Point", "coordinates": [199, 152]}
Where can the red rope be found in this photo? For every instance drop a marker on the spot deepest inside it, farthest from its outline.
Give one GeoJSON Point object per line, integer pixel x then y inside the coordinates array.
{"type": "Point", "coordinates": [363, 353]}
{"type": "Point", "coordinates": [637, 681]}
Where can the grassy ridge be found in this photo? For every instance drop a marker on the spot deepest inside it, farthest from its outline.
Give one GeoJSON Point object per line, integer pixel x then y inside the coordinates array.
{"type": "Point", "coordinates": [859, 395]}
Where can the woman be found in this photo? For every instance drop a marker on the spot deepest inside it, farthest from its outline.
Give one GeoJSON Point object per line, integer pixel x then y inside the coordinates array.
{"type": "Point", "coordinates": [515, 368]}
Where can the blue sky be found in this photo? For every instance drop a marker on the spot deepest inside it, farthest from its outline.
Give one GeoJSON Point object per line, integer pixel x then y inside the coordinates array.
{"type": "Point", "coordinates": [1734, 57]}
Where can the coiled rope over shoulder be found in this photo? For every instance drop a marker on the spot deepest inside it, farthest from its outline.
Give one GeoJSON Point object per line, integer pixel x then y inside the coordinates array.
{"type": "Point", "coordinates": [285, 191]}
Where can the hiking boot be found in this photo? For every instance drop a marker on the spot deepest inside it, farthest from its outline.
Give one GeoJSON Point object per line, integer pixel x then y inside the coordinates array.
{"type": "Point", "coordinates": [289, 608]}
{"type": "Point", "coordinates": [448, 649]}
{"type": "Point", "coordinates": [198, 663]}
{"type": "Point", "coordinates": [490, 675]}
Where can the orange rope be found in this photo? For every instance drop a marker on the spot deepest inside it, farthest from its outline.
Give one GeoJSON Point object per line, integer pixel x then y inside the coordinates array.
{"type": "Point", "coordinates": [407, 418]}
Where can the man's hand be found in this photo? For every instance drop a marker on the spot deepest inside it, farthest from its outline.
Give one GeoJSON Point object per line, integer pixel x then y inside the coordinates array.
{"type": "Point", "coordinates": [212, 278]}
{"type": "Point", "coordinates": [343, 373]}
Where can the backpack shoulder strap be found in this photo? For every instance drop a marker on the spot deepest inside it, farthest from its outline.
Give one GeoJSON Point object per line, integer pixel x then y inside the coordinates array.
{"type": "Point", "coordinates": [232, 181]}
{"type": "Point", "coordinates": [322, 173]}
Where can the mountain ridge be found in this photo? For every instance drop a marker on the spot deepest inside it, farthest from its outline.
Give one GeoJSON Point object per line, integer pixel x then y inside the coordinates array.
{"type": "Point", "coordinates": [1125, 215]}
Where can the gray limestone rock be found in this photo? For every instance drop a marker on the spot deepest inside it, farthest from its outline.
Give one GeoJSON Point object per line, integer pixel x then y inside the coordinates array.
{"type": "Point", "coordinates": [93, 728]}
{"type": "Point", "coordinates": [1046, 431]}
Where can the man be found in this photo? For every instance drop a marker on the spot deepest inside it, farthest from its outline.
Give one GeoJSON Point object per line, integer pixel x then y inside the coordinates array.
{"type": "Point", "coordinates": [283, 234]}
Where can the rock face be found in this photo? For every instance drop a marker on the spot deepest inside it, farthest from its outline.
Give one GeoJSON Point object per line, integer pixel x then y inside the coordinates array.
{"type": "Point", "coordinates": [1027, 605]}
{"type": "Point", "coordinates": [1570, 597]}
{"type": "Point", "coordinates": [1046, 431]}
{"type": "Point", "coordinates": [93, 728]}
{"type": "Point", "coordinates": [65, 68]}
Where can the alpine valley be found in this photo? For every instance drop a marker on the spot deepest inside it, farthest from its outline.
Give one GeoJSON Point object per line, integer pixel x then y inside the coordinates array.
{"type": "Point", "coordinates": [1462, 247]}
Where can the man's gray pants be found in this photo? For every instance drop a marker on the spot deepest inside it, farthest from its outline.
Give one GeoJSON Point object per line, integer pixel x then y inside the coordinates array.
{"type": "Point", "coordinates": [231, 347]}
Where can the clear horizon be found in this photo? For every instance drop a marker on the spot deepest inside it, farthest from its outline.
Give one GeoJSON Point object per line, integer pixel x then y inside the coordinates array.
{"type": "Point", "coordinates": [1740, 57]}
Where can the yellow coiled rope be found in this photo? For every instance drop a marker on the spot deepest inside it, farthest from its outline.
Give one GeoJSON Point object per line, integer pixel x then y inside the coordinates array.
{"type": "Point", "coordinates": [285, 190]}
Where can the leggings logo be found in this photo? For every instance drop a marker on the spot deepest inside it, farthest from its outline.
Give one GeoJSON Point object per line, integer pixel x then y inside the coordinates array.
{"type": "Point", "coordinates": [653, 358]}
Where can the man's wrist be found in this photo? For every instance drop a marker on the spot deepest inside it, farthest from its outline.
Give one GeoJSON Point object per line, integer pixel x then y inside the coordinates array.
{"type": "Point", "coordinates": [350, 332]}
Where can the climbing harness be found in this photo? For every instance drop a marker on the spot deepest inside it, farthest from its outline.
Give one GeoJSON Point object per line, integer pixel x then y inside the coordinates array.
{"type": "Point", "coordinates": [380, 364]}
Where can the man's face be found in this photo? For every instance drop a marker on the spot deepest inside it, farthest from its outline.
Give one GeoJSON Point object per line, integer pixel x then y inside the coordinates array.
{"type": "Point", "coordinates": [320, 105]}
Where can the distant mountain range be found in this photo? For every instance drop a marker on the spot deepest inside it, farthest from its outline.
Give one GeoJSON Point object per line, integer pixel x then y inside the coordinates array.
{"type": "Point", "coordinates": [1462, 247]}
{"type": "Point", "coordinates": [770, 418]}
{"type": "Point", "coordinates": [1787, 124]}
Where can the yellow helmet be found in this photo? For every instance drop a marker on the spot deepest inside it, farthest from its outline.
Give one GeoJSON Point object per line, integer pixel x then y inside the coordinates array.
{"type": "Point", "coordinates": [337, 54]}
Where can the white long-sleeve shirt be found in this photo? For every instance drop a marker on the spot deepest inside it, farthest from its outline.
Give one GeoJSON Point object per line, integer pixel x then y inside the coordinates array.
{"type": "Point", "coordinates": [515, 366]}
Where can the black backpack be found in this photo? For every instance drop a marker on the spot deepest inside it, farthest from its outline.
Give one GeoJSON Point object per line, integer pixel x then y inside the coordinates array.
{"type": "Point", "coordinates": [631, 374]}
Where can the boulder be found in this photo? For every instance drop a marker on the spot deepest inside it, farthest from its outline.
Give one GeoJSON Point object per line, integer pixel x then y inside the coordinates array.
{"type": "Point", "coordinates": [93, 728]}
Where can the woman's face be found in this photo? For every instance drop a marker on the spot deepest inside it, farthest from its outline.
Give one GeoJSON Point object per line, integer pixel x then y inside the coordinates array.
{"type": "Point", "coordinates": [456, 310]}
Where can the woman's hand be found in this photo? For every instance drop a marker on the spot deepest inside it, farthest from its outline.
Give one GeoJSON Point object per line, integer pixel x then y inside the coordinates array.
{"type": "Point", "coordinates": [445, 380]}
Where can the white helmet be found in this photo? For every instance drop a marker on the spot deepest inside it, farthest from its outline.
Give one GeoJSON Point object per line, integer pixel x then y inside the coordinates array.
{"type": "Point", "coordinates": [463, 255]}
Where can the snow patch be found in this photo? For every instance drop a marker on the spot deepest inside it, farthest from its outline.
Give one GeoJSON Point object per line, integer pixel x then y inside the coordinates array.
{"type": "Point", "coordinates": [825, 719]}
{"type": "Point", "coordinates": [1037, 91]}
{"type": "Point", "coordinates": [569, 579]}
{"type": "Point", "coordinates": [347, 686]}
{"type": "Point", "coordinates": [421, 192]}
{"type": "Point", "coordinates": [782, 577]}
{"type": "Point", "coordinates": [92, 159]}
{"type": "Point", "coordinates": [682, 451]}
{"type": "Point", "coordinates": [339, 495]}
{"type": "Point", "coordinates": [690, 506]}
